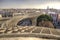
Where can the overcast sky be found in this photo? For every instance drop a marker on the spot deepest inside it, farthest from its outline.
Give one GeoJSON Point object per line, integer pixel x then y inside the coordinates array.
{"type": "Point", "coordinates": [30, 4]}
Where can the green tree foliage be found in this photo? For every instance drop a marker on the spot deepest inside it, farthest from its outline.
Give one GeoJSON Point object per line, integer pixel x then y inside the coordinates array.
{"type": "Point", "coordinates": [44, 17]}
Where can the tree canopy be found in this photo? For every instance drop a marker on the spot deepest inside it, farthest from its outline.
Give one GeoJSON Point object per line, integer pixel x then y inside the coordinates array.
{"type": "Point", "coordinates": [44, 17]}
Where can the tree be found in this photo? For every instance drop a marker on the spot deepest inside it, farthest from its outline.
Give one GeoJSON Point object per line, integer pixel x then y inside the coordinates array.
{"type": "Point", "coordinates": [44, 19]}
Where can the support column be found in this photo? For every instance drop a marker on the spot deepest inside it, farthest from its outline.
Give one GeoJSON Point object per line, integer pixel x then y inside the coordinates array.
{"type": "Point", "coordinates": [34, 21]}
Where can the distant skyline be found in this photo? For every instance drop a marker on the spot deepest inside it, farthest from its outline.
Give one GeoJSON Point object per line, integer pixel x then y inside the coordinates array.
{"type": "Point", "coordinates": [39, 4]}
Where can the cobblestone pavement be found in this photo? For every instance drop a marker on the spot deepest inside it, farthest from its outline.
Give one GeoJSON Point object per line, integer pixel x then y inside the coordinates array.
{"type": "Point", "coordinates": [30, 31]}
